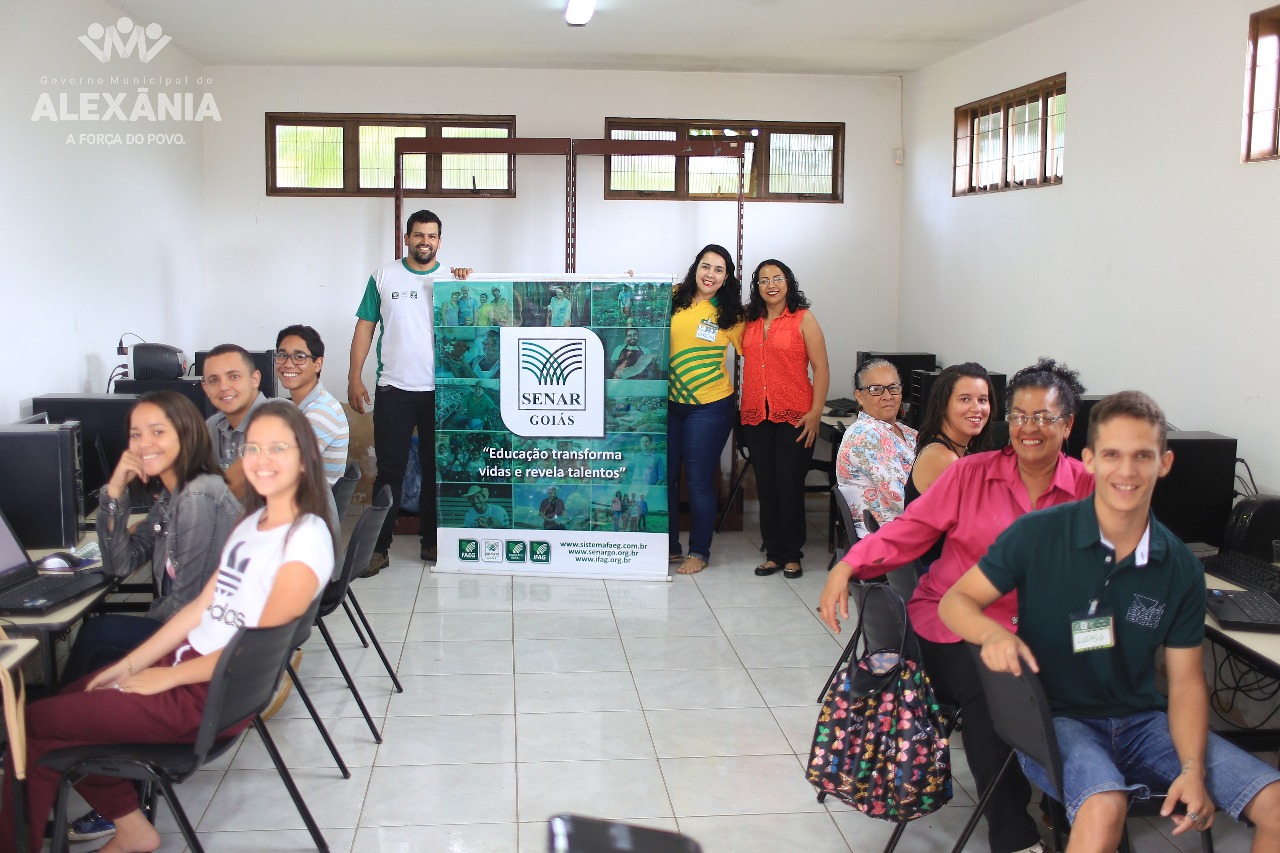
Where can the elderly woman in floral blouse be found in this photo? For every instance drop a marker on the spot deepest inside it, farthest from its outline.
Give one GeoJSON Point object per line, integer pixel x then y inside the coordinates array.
{"type": "Point", "coordinates": [876, 454]}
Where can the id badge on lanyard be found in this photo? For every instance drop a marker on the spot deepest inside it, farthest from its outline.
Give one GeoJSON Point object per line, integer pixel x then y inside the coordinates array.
{"type": "Point", "coordinates": [707, 331]}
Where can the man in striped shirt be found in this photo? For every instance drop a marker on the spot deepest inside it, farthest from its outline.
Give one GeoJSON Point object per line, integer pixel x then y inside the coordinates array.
{"type": "Point", "coordinates": [299, 358]}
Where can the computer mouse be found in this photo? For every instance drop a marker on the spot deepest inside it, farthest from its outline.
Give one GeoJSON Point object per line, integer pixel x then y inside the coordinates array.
{"type": "Point", "coordinates": [58, 561]}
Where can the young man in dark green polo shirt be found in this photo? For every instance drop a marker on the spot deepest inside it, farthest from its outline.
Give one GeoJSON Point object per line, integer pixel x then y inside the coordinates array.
{"type": "Point", "coordinates": [1102, 586]}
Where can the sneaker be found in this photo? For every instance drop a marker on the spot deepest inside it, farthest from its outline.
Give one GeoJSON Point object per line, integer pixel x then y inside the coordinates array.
{"type": "Point", "coordinates": [428, 553]}
{"type": "Point", "coordinates": [282, 692]}
{"type": "Point", "coordinates": [377, 563]}
{"type": "Point", "coordinates": [90, 827]}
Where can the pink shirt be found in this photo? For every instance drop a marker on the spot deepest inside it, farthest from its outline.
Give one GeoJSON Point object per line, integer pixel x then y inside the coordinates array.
{"type": "Point", "coordinates": [973, 502]}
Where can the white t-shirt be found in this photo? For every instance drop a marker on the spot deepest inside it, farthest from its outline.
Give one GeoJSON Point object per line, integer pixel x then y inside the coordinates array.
{"type": "Point", "coordinates": [401, 300]}
{"type": "Point", "coordinates": [250, 560]}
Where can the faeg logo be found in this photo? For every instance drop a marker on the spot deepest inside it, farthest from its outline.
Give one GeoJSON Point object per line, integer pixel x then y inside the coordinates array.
{"type": "Point", "coordinates": [137, 37]}
{"type": "Point", "coordinates": [559, 387]}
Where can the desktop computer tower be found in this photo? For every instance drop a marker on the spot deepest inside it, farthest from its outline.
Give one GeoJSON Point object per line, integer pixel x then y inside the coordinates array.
{"type": "Point", "coordinates": [1194, 499]}
{"type": "Point", "coordinates": [104, 421]}
{"type": "Point", "coordinates": [920, 386]}
{"type": "Point", "coordinates": [192, 389]}
{"type": "Point", "coordinates": [263, 360]}
{"type": "Point", "coordinates": [42, 483]}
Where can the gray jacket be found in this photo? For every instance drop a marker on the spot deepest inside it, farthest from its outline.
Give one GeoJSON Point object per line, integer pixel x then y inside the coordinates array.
{"type": "Point", "coordinates": [188, 528]}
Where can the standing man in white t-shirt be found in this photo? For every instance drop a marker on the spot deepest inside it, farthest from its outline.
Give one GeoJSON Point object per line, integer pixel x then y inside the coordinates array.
{"type": "Point", "coordinates": [399, 296]}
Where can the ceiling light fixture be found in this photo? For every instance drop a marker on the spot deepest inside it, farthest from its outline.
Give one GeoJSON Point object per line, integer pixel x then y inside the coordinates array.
{"type": "Point", "coordinates": [578, 12]}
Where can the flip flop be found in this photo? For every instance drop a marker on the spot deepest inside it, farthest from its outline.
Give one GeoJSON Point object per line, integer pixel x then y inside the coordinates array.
{"type": "Point", "coordinates": [692, 565]}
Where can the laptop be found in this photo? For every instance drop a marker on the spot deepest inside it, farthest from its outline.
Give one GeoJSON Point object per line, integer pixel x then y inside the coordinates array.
{"type": "Point", "coordinates": [1244, 609]}
{"type": "Point", "coordinates": [26, 592]}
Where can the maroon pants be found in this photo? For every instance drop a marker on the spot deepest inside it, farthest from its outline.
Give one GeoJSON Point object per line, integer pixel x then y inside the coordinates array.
{"type": "Point", "coordinates": [75, 718]}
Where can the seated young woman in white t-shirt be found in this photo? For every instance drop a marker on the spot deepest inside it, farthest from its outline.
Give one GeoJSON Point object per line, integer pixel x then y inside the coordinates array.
{"type": "Point", "coordinates": [274, 564]}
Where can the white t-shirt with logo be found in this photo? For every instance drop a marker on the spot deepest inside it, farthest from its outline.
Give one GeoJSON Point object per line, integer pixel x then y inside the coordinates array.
{"type": "Point", "coordinates": [250, 561]}
{"type": "Point", "coordinates": [401, 300]}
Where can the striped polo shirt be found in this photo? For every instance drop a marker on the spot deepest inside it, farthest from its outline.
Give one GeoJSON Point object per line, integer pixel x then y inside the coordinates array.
{"type": "Point", "coordinates": [329, 422]}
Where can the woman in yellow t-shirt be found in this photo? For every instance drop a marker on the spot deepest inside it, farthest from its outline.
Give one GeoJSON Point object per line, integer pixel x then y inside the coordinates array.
{"type": "Point", "coordinates": [701, 406]}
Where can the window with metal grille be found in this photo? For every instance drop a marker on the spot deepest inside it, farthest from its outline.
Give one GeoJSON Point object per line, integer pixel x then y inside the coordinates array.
{"type": "Point", "coordinates": [354, 154]}
{"type": "Point", "coordinates": [784, 161]}
{"type": "Point", "coordinates": [1012, 141]}
{"type": "Point", "coordinates": [1261, 138]}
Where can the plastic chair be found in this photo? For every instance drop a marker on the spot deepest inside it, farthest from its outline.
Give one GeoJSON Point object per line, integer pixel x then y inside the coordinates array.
{"type": "Point", "coordinates": [1022, 718]}
{"type": "Point", "coordinates": [359, 550]}
{"type": "Point", "coordinates": [903, 579]}
{"type": "Point", "coordinates": [243, 683]}
{"type": "Point", "coordinates": [844, 523]}
{"type": "Point", "coordinates": [343, 491]}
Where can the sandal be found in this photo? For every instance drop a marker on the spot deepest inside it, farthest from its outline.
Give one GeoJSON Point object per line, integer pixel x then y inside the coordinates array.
{"type": "Point", "coordinates": [791, 571]}
{"type": "Point", "coordinates": [692, 565]}
{"type": "Point", "coordinates": [768, 567]}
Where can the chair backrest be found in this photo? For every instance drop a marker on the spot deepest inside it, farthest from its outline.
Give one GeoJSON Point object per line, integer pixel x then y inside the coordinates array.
{"type": "Point", "coordinates": [884, 617]}
{"type": "Point", "coordinates": [359, 549]}
{"type": "Point", "coordinates": [345, 488]}
{"type": "Point", "coordinates": [903, 580]}
{"type": "Point", "coordinates": [246, 677]}
{"type": "Point", "coordinates": [1020, 712]}
{"type": "Point", "coordinates": [846, 513]}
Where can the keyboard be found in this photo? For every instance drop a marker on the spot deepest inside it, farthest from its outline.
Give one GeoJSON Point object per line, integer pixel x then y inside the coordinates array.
{"type": "Point", "coordinates": [46, 592]}
{"type": "Point", "coordinates": [1258, 606]}
{"type": "Point", "coordinates": [1245, 571]}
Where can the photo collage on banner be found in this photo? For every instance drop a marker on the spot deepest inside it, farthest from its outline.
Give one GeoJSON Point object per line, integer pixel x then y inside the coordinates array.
{"type": "Point", "coordinates": [571, 480]}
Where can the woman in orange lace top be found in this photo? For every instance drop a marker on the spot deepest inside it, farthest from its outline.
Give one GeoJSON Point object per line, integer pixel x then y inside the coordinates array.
{"type": "Point", "coordinates": [781, 407]}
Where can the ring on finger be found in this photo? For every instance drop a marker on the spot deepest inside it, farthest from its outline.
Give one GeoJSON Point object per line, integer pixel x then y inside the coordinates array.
{"type": "Point", "coordinates": [1193, 817]}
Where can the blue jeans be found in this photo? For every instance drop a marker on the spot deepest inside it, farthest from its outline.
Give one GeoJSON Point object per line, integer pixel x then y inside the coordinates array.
{"type": "Point", "coordinates": [696, 434]}
{"type": "Point", "coordinates": [104, 640]}
{"type": "Point", "coordinates": [1136, 754]}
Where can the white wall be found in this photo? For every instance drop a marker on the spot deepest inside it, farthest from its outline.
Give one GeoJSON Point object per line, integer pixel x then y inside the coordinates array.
{"type": "Point", "coordinates": [96, 240]}
{"type": "Point", "coordinates": [274, 261]}
{"type": "Point", "coordinates": [1154, 265]}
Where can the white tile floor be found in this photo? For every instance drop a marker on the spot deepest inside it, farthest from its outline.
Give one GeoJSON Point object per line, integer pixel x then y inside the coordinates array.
{"type": "Point", "coordinates": [687, 705]}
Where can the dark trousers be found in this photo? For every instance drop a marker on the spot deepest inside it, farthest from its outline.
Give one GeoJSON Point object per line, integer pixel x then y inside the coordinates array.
{"type": "Point", "coordinates": [781, 464]}
{"type": "Point", "coordinates": [955, 680]}
{"type": "Point", "coordinates": [104, 640]}
{"type": "Point", "coordinates": [395, 415]}
{"type": "Point", "coordinates": [696, 434]}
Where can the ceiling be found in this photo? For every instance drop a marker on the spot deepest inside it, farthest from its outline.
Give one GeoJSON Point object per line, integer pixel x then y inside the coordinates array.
{"type": "Point", "coordinates": [771, 36]}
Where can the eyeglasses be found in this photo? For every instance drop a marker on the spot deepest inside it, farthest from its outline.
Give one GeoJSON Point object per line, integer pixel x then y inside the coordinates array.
{"type": "Point", "coordinates": [1018, 419]}
{"type": "Point", "coordinates": [298, 358]}
{"type": "Point", "coordinates": [777, 279]}
{"type": "Point", "coordinates": [878, 390]}
{"type": "Point", "coordinates": [277, 449]}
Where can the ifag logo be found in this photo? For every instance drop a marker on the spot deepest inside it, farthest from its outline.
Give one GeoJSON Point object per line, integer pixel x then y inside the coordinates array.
{"type": "Point", "coordinates": [558, 389]}
{"type": "Point", "coordinates": [123, 37]}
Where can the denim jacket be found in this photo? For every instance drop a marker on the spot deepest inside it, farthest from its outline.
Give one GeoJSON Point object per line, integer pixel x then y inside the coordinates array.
{"type": "Point", "coordinates": [187, 529]}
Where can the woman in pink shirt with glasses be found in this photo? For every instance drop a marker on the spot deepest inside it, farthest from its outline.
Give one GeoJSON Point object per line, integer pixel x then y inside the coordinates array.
{"type": "Point", "coordinates": [972, 503]}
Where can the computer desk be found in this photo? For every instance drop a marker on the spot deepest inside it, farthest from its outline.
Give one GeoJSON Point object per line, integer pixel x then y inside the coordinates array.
{"type": "Point", "coordinates": [47, 627]}
{"type": "Point", "coordinates": [13, 654]}
{"type": "Point", "coordinates": [1261, 650]}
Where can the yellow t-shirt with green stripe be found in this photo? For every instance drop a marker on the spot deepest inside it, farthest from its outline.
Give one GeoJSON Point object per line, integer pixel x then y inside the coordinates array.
{"type": "Point", "coordinates": [696, 369]}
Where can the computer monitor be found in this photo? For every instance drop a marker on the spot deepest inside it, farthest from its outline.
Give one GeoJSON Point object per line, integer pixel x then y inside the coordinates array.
{"type": "Point", "coordinates": [101, 416]}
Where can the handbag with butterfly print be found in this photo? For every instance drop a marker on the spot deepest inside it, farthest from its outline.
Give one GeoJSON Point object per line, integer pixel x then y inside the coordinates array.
{"type": "Point", "coordinates": [880, 745]}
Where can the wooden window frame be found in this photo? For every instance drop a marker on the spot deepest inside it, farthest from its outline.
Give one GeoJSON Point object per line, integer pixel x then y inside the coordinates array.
{"type": "Point", "coordinates": [1004, 104]}
{"type": "Point", "coordinates": [351, 124]}
{"type": "Point", "coordinates": [1270, 17]}
{"type": "Point", "coordinates": [759, 172]}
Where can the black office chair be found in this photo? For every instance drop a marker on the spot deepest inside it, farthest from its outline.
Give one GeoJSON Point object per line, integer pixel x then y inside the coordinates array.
{"type": "Point", "coordinates": [356, 559]}
{"type": "Point", "coordinates": [845, 529]}
{"type": "Point", "coordinates": [243, 683]}
{"type": "Point", "coordinates": [826, 465]}
{"type": "Point", "coordinates": [903, 579]}
{"type": "Point", "coordinates": [745, 455]}
{"type": "Point", "coordinates": [343, 491]}
{"type": "Point", "coordinates": [1022, 718]}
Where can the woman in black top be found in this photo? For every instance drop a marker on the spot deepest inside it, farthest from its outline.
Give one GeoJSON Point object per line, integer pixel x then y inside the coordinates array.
{"type": "Point", "coordinates": [957, 422]}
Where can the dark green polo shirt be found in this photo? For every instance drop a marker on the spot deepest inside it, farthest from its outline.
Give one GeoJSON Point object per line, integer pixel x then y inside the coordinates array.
{"type": "Point", "coordinates": [1056, 561]}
